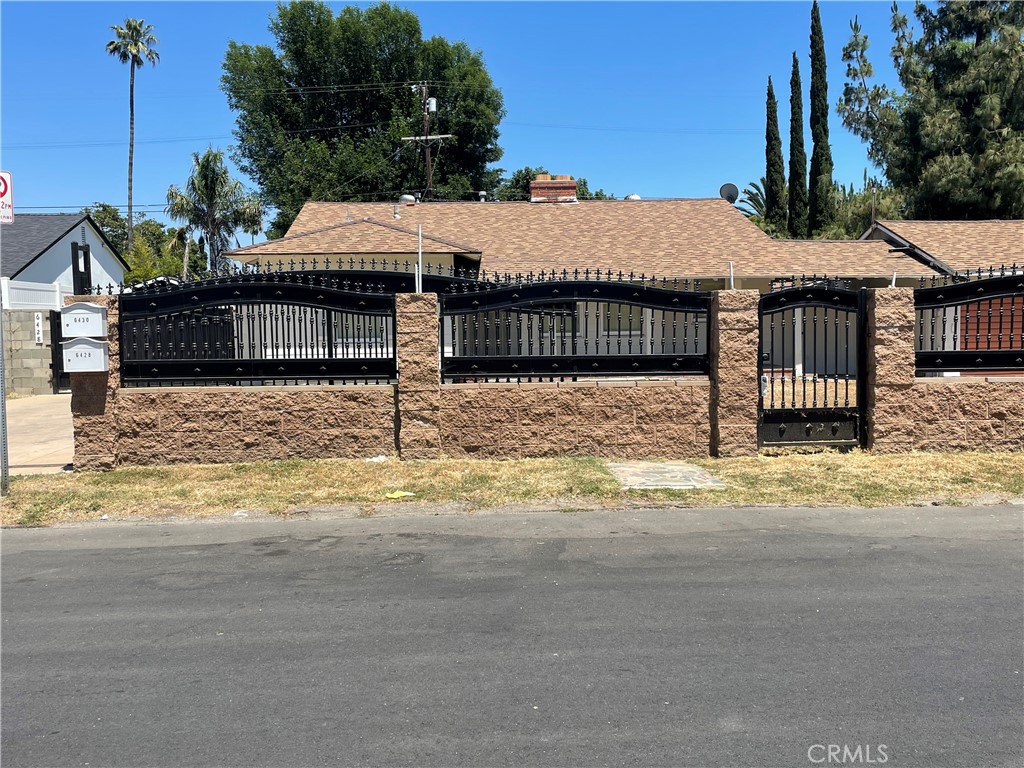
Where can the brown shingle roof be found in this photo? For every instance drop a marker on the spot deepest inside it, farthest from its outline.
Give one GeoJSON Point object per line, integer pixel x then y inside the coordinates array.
{"type": "Point", "coordinates": [964, 244]}
{"type": "Point", "coordinates": [359, 236]}
{"type": "Point", "coordinates": [673, 238]}
{"type": "Point", "coordinates": [846, 258]}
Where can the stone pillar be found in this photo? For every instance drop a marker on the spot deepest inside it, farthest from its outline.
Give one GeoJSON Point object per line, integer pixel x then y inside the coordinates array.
{"type": "Point", "coordinates": [94, 399]}
{"type": "Point", "coordinates": [735, 345]}
{"type": "Point", "coordinates": [891, 369]}
{"type": "Point", "coordinates": [417, 429]}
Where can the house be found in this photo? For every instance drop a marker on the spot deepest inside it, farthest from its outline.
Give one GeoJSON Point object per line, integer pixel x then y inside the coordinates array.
{"type": "Point", "coordinates": [43, 258]}
{"type": "Point", "coordinates": [954, 246]}
{"type": "Point", "coordinates": [38, 248]}
{"type": "Point", "coordinates": [706, 239]}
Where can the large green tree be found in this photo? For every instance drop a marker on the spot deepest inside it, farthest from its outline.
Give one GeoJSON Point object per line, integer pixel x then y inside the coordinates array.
{"type": "Point", "coordinates": [952, 140]}
{"type": "Point", "coordinates": [820, 199]}
{"type": "Point", "coordinates": [132, 45]}
{"type": "Point", "coordinates": [321, 115]}
{"type": "Point", "coordinates": [517, 185]}
{"type": "Point", "coordinates": [156, 249]}
{"type": "Point", "coordinates": [110, 221]}
{"type": "Point", "coordinates": [583, 191]}
{"type": "Point", "coordinates": [214, 204]}
{"type": "Point", "coordinates": [857, 211]}
{"type": "Point", "coordinates": [775, 173]}
{"type": "Point", "coordinates": [797, 198]}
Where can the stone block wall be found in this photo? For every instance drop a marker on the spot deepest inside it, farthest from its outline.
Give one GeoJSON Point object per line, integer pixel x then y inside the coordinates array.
{"type": "Point", "coordinates": [955, 413]}
{"type": "Point", "coordinates": [422, 418]}
{"type": "Point", "coordinates": [418, 426]}
{"type": "Point", "coordinates": [735, 345]}
{"type": "Point", "coordinates": [214, 425]}
{"type": "Point", "coordinates": [934, 413]}
{"type": "Point", "coordinates": [94, 399]}
{"type": "Point", "coordinates": [117, 426]}
{"type": "Point", "coordinates": [27, 365]}
{"type": "Point", "coordinates": [620, 419]}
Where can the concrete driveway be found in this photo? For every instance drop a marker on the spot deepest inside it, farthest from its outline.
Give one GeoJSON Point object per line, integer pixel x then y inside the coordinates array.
{"type": "Point", "coordinates": [40, 437]}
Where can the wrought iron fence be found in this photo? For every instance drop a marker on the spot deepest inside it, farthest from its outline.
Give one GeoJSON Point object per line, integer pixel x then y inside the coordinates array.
{"type": "Point", "coordinates": [251, 327]}
{"type": "Point", "coordinates": [810, 346]}
{"type": "Point", "coordinates": [558, 325]}
{"type": "Point", "coordinates": [350, 274]}
{"type": "Point", "coordinates": [811, 364]}
{"type": "Point", "coordinates": [971, 321]}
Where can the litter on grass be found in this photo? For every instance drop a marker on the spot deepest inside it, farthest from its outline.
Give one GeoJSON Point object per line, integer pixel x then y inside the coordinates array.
{"type": "Point", "coordinates": [398, 494]}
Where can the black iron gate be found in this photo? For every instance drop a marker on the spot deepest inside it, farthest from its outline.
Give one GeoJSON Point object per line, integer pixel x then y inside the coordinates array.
{"type": "Point", "coordinates": [61, 379]}
{"type": "Point", "coordinates": [812, 366]}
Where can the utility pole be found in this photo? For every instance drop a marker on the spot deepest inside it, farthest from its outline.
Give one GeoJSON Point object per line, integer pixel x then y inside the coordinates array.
{"type": "Point", "coordinates": [426, 140]}
{"type": "Point", "coordinates": [429, 105]}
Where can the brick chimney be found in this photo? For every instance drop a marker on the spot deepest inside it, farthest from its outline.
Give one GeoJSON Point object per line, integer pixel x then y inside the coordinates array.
{"type": "Point", "coordinates": [553, 189]}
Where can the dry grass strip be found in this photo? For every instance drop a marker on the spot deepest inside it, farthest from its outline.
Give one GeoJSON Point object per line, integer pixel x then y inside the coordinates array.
{"type": "Point", "coordinates": [821, 479]}
{"type": "Point", "coordinates": [277, 486]}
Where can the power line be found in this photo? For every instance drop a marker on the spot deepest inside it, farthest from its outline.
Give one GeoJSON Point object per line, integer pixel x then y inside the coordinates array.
{"type": "Point", "coordinates": [708, 130]}
{"type": "Point", "coordinates": [75, 145]}
{"type": "Point", "coordinates": [343, 87]}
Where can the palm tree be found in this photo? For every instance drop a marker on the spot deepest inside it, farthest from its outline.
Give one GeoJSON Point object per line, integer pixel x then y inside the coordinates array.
{"type": "Point", "coordinates": [133, 45]}
{"type": "Point", "coordinates": [181, 237]}
{"type": "Point", "coordinates": [753, 199]}
{"type": "Point", "coordinates": [214, 204]}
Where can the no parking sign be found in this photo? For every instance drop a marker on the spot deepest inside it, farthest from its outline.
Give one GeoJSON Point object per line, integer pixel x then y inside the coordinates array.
{"type": "Point", "coordinates": [6, 198]}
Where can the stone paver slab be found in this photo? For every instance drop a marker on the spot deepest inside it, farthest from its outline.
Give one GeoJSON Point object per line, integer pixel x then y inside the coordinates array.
{"type": "Point", "coordinates": [663, 474]}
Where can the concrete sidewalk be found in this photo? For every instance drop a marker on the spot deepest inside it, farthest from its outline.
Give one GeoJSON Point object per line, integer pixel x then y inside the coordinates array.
{"type": "Point", "coordinates": [40, 437]}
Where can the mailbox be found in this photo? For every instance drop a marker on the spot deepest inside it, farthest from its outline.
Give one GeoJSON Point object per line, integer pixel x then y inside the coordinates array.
{"type": "Point", "coordinates": [85, 356]}
{"type": "Point", "coordinates": [83, 319]}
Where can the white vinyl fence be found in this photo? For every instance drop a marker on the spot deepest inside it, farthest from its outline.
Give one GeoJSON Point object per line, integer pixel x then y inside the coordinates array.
{"type": "Point", "coordinates": [17, 294]}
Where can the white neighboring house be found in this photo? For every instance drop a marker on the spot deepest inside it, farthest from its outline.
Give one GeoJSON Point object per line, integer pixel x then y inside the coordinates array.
{"type": "Point", "coordinates": [36, 273]}
{"type": "Point", "coordinates": [36, 259]}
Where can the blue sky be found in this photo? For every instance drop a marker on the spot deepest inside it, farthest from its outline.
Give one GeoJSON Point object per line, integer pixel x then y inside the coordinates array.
{"type": "Point", "coordinates": [664, 99]}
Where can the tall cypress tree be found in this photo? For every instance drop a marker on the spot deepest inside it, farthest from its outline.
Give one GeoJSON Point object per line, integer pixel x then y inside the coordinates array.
{"type": "Point", "coordinates": [797, 157]}
{"type": "Point", "coordinates": [821, 208]}
{"type": "Point", "coordinates": [775, 173]}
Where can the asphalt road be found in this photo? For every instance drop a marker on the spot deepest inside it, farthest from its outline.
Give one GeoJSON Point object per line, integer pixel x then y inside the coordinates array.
{"type": "Point", "coordinates": [675, 638]}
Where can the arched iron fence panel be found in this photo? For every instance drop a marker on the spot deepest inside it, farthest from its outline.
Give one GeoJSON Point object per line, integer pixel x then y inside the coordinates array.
{"type": "Point", "coordinates": [970, 325]}
{"type": "Point", "coordinates": [256, 329]}
{"type": "Point", "coordinates": [570, 328]}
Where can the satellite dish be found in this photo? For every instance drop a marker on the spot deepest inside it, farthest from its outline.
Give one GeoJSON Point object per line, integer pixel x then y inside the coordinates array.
{"type": "Point", "coordinates": [729, 193]}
